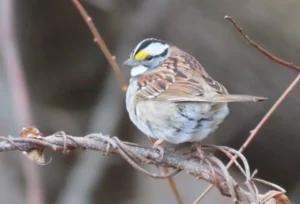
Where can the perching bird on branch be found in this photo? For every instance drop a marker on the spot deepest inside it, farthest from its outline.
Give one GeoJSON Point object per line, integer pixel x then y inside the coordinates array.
{"type": "Point", "coordinates": [171, 97]}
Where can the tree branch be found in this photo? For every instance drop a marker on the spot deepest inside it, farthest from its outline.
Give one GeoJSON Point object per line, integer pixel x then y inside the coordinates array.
{"type": "Point", "coordinates": [100, 42]}
{"type": "Point", "coordinates": [262, 50]}
{"type": "Point", "coordinates": [208, 168]}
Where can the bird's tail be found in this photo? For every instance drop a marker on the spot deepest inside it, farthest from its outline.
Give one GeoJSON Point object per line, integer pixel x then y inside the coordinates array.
{"type": "Point", "coordinates": [237, 98]}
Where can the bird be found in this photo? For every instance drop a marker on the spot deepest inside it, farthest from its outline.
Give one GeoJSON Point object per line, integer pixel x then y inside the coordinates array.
{"type": "Point", "coordinates": [171, 97]}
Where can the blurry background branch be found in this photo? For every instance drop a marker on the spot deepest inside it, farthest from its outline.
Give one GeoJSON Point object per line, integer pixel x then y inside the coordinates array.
{"type": "Point", "coordinates": [14, 69]}
{"type": "Point", "coordinates": [209, 168]}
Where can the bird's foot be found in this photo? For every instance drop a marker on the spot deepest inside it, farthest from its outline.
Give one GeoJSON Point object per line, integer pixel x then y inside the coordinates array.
{"type": "Point", "coordinates": [157, 145]}
{"type": "Point", "coordinates": [199, 151]}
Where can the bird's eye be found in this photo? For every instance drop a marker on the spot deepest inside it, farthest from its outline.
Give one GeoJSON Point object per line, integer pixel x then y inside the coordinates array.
{"type": "Point", "coordinates": [149, 58]}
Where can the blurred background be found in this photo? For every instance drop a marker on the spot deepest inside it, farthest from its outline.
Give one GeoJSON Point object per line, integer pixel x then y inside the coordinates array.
{"type": "Point", "coordinates": [70, 86]}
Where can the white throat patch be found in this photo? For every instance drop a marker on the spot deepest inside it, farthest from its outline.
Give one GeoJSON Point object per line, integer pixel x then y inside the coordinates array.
{"type": "Point", "coordinates": [135, 71]}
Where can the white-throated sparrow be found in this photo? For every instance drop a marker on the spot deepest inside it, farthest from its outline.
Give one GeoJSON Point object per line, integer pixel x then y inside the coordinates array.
{"type": "Point", "coordinates": [171, 97]}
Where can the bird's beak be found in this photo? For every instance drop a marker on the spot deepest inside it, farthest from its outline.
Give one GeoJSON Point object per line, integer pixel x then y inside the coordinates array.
{"type": "Point", "coordinates": [131, 62]}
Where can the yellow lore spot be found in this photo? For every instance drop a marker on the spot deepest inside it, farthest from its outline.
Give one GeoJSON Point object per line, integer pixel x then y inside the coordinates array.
{"type": "Point", "coordinates": [141, 55]}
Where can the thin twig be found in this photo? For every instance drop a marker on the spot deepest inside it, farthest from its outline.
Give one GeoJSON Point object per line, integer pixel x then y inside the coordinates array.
{"type": "Point", "coordinates": [262, 50]}
{"type": "Point", "coordinates": [227, 176]}
{"type": "Point", "coordinates": [123, 151]}
{"type": "Point", "coordinates": [272, 109]}
{"type": "Point", "coordinates": [100, 42]}
{"type": "Point", "coordinates": [173, 186]}
{"type": "Point", "coordinates": [171, 181]}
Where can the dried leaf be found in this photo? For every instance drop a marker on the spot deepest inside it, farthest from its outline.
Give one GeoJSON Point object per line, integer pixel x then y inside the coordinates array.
{"type": "Point", "coordinates": [275, 197]}
{"type": "Point", "coordinates": [35, 154]}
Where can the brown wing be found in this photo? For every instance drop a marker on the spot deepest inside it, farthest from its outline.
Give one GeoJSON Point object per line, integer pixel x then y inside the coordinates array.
{"type": "Point", "coordinates": [179, 78]}
{"type": "Point", "coordinates": [216, 86]}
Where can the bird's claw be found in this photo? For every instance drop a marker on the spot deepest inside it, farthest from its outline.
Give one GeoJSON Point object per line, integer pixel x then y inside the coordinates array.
{"type": "Point", "coordinates": [161, 152]}
{"type": "Point", "coordinates": [157, 146]}
{"type": "Point", "coordinates": [199, 151]}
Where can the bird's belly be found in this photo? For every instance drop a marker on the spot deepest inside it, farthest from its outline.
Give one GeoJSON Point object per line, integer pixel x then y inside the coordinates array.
{"type": "Point", "coordinates": [178, 122]}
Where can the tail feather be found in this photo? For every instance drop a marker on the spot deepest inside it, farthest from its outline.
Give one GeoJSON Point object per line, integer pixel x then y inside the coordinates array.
{"type": "Point", "coordinates": [237, 98]}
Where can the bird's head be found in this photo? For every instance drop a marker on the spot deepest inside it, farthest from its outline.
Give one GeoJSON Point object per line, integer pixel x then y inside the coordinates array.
{"type": "Point", "coordinates": [147, 55]}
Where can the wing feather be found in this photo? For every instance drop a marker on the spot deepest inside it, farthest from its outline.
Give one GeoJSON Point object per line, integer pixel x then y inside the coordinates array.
{"type": "Point", "coordinates": [181, 78]}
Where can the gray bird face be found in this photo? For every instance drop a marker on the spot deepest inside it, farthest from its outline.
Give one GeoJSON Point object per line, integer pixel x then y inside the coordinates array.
{"type": "Point", "coordinates": [147, 55]}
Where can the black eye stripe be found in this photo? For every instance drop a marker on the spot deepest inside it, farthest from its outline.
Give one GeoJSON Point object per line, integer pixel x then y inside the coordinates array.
{"type": "Point", "coordinates": [165, 52]}
{"type": "Point", "coordinates": [148, 58]}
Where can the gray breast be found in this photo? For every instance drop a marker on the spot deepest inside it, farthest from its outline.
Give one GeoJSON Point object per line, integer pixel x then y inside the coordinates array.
{"type": "Point", "coordinates": [178, 122]}
{"type": "Point", "coordinates": [174, 122]}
